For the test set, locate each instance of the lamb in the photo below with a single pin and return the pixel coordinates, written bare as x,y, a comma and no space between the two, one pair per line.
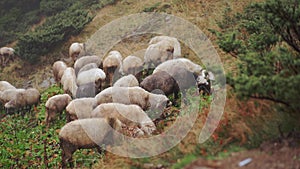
68,81
56,104
179,62
130,115
112,65
134,95
80,108
95,75
6,54
126,81
161,83
133,65
75,49
86,134
26,98
175,43
88,67
158,53
81,62
87,90
58,70
4,85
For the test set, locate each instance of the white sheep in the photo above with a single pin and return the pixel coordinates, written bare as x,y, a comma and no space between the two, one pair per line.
179,62
4,85
87,90
68,80
86,134
95,75
174,42
88,67
80,108
112,64
158,53
9,94
56,104
126,81
75,50
130,115
154,103
25,98
58,69
6,54
133,65
81,62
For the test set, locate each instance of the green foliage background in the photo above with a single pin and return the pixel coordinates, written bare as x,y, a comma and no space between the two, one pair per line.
63,19
265,40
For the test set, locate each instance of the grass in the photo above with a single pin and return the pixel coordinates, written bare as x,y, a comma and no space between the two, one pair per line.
26,142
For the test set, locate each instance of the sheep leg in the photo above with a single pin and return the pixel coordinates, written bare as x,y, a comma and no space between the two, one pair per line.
67,151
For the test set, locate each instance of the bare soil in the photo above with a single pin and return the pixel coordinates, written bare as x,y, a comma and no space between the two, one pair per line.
278,154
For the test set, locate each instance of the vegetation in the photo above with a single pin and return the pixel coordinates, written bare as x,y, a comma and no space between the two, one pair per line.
26,142
265,40
63,19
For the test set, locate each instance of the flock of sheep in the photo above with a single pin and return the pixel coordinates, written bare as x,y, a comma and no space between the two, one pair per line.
107,94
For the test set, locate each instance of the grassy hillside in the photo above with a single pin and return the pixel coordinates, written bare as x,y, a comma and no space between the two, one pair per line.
25,141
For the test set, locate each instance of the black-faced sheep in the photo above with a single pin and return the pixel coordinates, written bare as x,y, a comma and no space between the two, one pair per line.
126,81
133,65
134,95
95,75
179,62
58,69
75,50
81,62
80,108
68,81
129,115
86,134
4,85
56,104
26,98
6,54
173,41
204,82
112,65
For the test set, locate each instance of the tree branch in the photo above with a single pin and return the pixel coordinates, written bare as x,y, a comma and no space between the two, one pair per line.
270,99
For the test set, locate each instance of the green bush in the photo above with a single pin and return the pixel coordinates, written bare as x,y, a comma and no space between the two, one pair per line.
56,30
265,40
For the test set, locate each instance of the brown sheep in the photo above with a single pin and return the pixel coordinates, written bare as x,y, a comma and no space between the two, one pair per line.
56,104
86,134
161,83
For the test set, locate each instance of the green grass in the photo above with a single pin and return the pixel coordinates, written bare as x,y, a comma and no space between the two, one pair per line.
26,143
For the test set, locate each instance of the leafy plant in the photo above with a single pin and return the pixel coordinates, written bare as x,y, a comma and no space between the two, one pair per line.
264,39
